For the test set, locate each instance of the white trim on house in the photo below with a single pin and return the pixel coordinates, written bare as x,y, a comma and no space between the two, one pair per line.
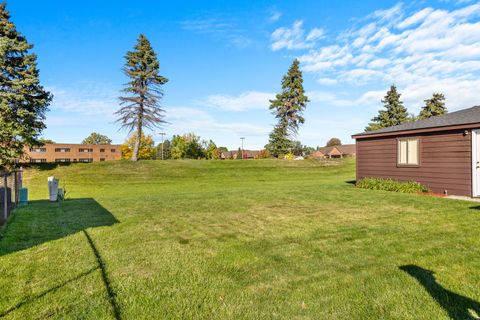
475,137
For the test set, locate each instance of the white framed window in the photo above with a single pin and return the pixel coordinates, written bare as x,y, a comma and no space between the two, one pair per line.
408,152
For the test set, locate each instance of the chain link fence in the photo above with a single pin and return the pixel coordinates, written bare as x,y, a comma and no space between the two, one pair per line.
10,185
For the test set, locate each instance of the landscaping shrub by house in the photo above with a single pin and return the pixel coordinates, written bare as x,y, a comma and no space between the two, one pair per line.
392,185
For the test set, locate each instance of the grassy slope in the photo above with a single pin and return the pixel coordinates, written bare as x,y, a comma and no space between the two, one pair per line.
235,239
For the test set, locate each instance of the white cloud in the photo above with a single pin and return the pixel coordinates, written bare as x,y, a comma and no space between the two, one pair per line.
389,15
293,38
329,98
219,29
327,81
425,51
89,99
274,16
189,119
315,34
415,18
245,101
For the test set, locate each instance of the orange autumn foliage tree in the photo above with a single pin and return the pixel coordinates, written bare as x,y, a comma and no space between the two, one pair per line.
147,147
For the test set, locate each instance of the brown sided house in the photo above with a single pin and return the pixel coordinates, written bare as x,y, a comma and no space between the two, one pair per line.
441,152
341,151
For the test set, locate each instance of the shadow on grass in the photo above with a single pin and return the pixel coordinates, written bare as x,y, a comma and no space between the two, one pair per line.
112,296
42,221
457,306
44,293
46,166
354,182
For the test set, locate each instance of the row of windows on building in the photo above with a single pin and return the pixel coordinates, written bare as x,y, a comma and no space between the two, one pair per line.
82,150
64,160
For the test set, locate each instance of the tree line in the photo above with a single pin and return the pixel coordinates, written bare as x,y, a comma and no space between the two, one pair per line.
396,113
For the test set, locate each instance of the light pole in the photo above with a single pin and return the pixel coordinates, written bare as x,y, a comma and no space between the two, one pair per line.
242,138
162,134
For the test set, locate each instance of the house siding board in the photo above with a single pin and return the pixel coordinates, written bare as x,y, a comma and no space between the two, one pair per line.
445,161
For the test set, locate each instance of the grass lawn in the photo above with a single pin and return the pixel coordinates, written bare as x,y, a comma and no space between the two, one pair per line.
236,240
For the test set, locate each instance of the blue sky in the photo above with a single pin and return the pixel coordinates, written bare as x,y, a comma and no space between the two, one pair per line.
225,59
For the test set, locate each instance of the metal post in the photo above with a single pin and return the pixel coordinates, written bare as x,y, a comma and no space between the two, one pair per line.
5,202
162,134
15,186
242,138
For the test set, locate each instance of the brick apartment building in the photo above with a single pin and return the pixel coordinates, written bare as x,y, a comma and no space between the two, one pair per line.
67,152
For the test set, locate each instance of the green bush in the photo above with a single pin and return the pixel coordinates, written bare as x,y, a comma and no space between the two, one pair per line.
391,185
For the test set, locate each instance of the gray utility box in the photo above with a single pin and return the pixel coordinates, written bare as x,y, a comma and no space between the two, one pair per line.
53,188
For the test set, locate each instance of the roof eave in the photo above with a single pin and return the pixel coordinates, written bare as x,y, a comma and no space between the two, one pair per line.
413,131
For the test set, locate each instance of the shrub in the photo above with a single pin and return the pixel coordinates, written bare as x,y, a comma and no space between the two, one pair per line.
391,185
263,154
289,156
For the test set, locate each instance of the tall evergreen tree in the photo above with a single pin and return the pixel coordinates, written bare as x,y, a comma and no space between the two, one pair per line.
23,101
140,107
288,107
434,106
395,112
278,141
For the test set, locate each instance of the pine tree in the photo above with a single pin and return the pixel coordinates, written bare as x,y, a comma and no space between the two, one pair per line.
278,142
434,106
141,104
394,114
288,107
23,101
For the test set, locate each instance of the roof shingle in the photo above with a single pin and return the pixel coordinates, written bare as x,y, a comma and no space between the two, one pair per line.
465,116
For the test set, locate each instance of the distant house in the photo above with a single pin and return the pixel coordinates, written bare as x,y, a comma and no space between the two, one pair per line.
234,154
342,151
441,152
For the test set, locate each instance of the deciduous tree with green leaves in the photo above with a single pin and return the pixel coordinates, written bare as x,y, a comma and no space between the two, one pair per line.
394,114
140,106
187,146
435,106
334,142
97,138
211,150
288,107
23,101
